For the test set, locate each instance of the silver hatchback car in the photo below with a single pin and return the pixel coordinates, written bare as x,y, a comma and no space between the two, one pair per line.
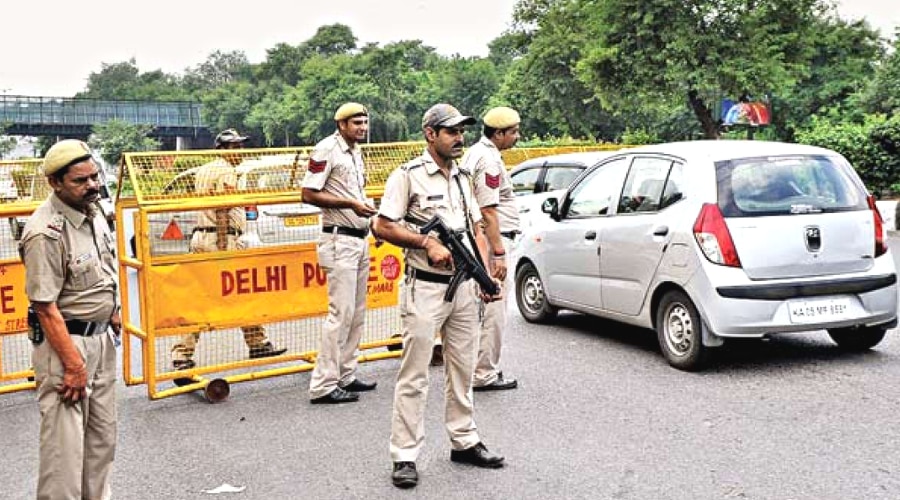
707,240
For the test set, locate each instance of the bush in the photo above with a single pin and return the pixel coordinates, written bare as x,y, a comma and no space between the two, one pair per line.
872,147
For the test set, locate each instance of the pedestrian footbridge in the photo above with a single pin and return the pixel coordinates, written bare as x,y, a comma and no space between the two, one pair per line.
75,117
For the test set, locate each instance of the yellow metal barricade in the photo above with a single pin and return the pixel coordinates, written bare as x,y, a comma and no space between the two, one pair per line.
271,282
22,189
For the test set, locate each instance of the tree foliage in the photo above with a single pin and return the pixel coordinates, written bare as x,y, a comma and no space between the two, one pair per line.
611,70
115,137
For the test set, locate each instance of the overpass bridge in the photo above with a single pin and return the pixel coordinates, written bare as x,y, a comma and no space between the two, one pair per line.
75,117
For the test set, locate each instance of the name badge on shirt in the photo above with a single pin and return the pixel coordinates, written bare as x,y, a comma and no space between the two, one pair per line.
82,258
435,197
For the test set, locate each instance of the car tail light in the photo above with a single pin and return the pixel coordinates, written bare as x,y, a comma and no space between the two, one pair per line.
252,212
880,243
713,237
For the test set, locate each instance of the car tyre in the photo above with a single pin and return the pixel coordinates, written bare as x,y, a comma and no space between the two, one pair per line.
679,330
530,297
857,339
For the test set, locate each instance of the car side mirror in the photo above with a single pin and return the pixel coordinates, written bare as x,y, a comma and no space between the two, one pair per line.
551,207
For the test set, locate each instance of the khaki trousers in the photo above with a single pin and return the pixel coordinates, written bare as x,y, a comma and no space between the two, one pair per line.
492,326
345,260
254,336
77,442
423,312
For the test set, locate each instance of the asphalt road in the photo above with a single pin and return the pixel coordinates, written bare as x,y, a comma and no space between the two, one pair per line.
598,415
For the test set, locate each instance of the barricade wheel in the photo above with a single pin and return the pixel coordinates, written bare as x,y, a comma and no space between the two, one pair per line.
217,390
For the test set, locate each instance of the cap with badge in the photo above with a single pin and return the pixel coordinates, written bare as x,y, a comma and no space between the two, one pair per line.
349,110
229,136
445,115
65,153
501,117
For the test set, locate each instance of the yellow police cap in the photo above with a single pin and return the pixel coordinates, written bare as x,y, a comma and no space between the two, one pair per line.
349,110
64,153
501,117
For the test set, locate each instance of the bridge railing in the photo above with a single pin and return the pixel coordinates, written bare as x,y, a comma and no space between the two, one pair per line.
71,111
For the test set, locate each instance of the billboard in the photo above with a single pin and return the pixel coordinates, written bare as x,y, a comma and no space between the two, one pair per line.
745,111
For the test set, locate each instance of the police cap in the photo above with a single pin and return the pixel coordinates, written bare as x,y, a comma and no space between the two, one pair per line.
445,115
501,117
349,110
65,153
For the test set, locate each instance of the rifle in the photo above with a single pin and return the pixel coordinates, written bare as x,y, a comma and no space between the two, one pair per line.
467,265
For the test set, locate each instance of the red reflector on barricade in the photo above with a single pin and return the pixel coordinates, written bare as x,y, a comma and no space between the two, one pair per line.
172,232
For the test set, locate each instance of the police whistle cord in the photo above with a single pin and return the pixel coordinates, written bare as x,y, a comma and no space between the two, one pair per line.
467,265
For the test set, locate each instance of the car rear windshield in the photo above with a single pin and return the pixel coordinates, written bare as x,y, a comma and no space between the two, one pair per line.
786,185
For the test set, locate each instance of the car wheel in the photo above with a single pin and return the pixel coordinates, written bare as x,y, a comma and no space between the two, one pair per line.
530,296
857,339
679,330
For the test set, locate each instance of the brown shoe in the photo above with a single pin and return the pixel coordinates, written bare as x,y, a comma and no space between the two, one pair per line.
266,350
437,355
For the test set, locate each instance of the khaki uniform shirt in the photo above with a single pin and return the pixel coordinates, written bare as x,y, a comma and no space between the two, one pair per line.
492,184
336,168
421,190
70,260
219,176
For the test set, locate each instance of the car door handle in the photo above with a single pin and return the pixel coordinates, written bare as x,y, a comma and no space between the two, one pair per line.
661,231
590,235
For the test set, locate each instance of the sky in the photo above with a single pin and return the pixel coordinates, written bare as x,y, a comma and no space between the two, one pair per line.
52,54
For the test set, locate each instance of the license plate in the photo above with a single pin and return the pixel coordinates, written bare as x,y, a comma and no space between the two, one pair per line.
301,220
818,311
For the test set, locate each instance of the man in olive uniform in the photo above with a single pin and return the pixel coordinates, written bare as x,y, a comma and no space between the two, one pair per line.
494,193
335,182
220,229
71,281
430,185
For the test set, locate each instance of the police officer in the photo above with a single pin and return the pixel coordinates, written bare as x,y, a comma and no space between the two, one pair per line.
71,281
220,229
335,182
494,193
430,185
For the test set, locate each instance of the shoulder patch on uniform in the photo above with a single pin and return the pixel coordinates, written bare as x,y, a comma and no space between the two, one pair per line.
317,167
492,181
54,227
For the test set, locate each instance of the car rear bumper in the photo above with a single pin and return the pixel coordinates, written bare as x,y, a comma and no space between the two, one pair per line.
755,310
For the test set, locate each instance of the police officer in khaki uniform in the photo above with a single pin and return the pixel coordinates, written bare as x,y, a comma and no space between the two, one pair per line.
217,230
335,182
430,185
494,193
71,281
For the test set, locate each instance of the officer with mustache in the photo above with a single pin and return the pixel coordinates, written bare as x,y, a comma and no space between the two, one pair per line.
71,281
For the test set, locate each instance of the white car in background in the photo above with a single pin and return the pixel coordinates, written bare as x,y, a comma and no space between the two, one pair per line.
273,224
536,179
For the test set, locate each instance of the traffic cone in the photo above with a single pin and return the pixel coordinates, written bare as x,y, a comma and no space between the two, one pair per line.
172,232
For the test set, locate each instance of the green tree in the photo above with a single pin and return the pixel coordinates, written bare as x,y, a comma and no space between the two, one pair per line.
329,40
697,51
220,68
115,137
542,83
883,96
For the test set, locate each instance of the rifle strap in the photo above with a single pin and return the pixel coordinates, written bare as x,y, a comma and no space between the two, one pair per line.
470,225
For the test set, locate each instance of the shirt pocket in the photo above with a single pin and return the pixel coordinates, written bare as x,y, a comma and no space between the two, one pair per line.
85,274
431,206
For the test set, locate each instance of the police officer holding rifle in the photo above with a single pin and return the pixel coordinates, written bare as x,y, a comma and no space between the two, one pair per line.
429,186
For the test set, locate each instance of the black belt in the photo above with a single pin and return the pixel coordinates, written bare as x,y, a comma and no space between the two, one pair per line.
348,231
429,276
510,234
85,328
232,231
